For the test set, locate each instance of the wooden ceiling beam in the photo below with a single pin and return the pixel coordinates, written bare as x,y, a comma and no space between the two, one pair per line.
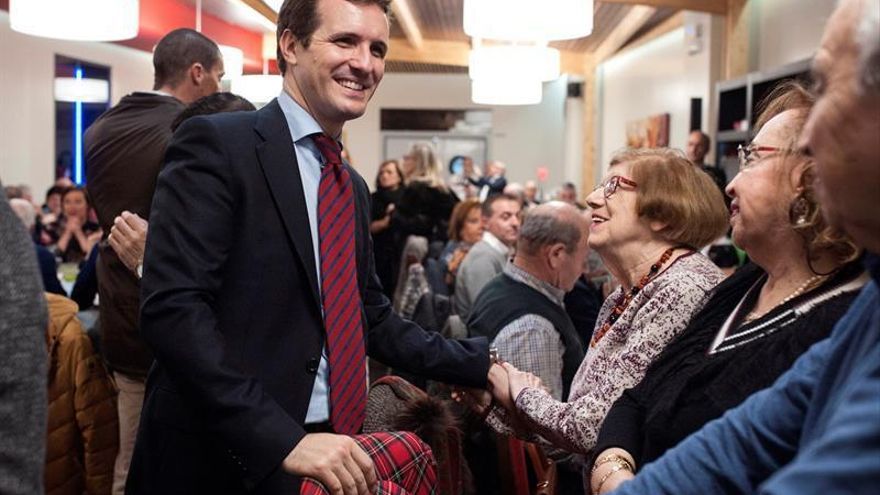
261,8
637,16
404,17
671,24
432,52
710,6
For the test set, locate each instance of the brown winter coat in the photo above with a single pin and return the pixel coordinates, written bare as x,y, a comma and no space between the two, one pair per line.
83,431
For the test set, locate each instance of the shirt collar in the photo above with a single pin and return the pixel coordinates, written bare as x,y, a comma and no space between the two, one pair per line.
552,292
300,122
496,243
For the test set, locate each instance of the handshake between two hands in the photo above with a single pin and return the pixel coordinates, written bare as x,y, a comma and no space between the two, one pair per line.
505,384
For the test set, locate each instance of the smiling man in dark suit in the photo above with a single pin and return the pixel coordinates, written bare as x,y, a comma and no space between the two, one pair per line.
260,299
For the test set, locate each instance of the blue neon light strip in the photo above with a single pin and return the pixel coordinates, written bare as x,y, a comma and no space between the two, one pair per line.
77,136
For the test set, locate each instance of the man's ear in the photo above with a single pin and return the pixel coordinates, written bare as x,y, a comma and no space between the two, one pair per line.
196,73
554,254
287,46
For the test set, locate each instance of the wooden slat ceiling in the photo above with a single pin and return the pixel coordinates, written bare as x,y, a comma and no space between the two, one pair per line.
437,19
661,15
417,67
606,16
442,20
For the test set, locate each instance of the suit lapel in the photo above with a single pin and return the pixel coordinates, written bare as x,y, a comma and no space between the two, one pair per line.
278,161
361,219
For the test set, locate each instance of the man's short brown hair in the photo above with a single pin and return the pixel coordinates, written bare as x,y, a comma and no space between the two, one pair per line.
486,209
301,18
672,191
177,51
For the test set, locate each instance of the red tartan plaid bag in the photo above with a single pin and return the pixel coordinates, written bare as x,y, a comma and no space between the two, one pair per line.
394,404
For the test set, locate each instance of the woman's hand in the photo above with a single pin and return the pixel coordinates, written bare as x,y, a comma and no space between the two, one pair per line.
615,480
609,470
73,225
457,256
518,380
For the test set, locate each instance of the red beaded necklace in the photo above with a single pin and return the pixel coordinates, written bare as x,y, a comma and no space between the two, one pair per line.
620,307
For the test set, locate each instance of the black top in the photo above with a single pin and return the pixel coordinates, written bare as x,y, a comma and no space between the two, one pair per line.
504,299
423,210
686,387
385,242
582,304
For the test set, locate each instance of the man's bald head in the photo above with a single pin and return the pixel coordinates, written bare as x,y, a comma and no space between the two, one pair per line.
551,223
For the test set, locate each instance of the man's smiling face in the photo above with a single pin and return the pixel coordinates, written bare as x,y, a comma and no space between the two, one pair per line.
336,75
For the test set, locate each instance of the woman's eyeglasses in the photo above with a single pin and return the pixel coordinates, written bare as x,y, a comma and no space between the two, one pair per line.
748,155
609,187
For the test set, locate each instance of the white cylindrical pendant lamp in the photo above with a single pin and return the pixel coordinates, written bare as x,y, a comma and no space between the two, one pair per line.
524,20
506,91
80,20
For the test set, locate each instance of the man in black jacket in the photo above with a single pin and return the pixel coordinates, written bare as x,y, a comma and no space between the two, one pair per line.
124,150
260,298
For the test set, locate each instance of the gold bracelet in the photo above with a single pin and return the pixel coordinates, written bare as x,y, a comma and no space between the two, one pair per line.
618,467
609,458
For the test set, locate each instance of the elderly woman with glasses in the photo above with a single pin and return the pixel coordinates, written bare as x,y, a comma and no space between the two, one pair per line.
650,216
802,279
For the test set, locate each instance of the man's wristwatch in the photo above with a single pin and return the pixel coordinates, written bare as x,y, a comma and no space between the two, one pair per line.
493,356
139,270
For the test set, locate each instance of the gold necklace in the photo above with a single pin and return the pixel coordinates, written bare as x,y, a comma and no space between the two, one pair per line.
809,284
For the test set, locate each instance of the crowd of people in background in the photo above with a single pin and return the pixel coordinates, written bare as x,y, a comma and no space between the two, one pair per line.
674,330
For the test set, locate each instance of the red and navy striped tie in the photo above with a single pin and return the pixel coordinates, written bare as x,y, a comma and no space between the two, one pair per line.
339,292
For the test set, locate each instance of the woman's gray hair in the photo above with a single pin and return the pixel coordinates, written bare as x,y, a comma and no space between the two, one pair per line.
25,211
867,37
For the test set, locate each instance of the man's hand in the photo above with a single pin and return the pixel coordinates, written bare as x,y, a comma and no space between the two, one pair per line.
499,386
128,238
337,461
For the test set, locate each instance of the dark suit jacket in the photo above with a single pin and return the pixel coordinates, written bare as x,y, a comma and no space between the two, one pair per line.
230,308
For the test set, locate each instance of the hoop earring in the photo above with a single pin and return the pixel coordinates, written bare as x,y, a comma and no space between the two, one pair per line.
799,211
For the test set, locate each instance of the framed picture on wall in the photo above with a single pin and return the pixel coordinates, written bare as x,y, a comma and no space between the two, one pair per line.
650,132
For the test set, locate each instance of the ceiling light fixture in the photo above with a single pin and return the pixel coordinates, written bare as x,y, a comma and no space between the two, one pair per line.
525,20
79,20
514,61
506,91
74,89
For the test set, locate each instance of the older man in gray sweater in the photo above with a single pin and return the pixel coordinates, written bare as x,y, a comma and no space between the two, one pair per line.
23,320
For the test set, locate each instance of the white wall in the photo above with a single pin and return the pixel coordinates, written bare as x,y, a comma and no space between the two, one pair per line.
786,31
27,106
658,77
524,137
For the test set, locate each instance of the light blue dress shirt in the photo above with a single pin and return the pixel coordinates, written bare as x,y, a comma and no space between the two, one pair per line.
310,161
